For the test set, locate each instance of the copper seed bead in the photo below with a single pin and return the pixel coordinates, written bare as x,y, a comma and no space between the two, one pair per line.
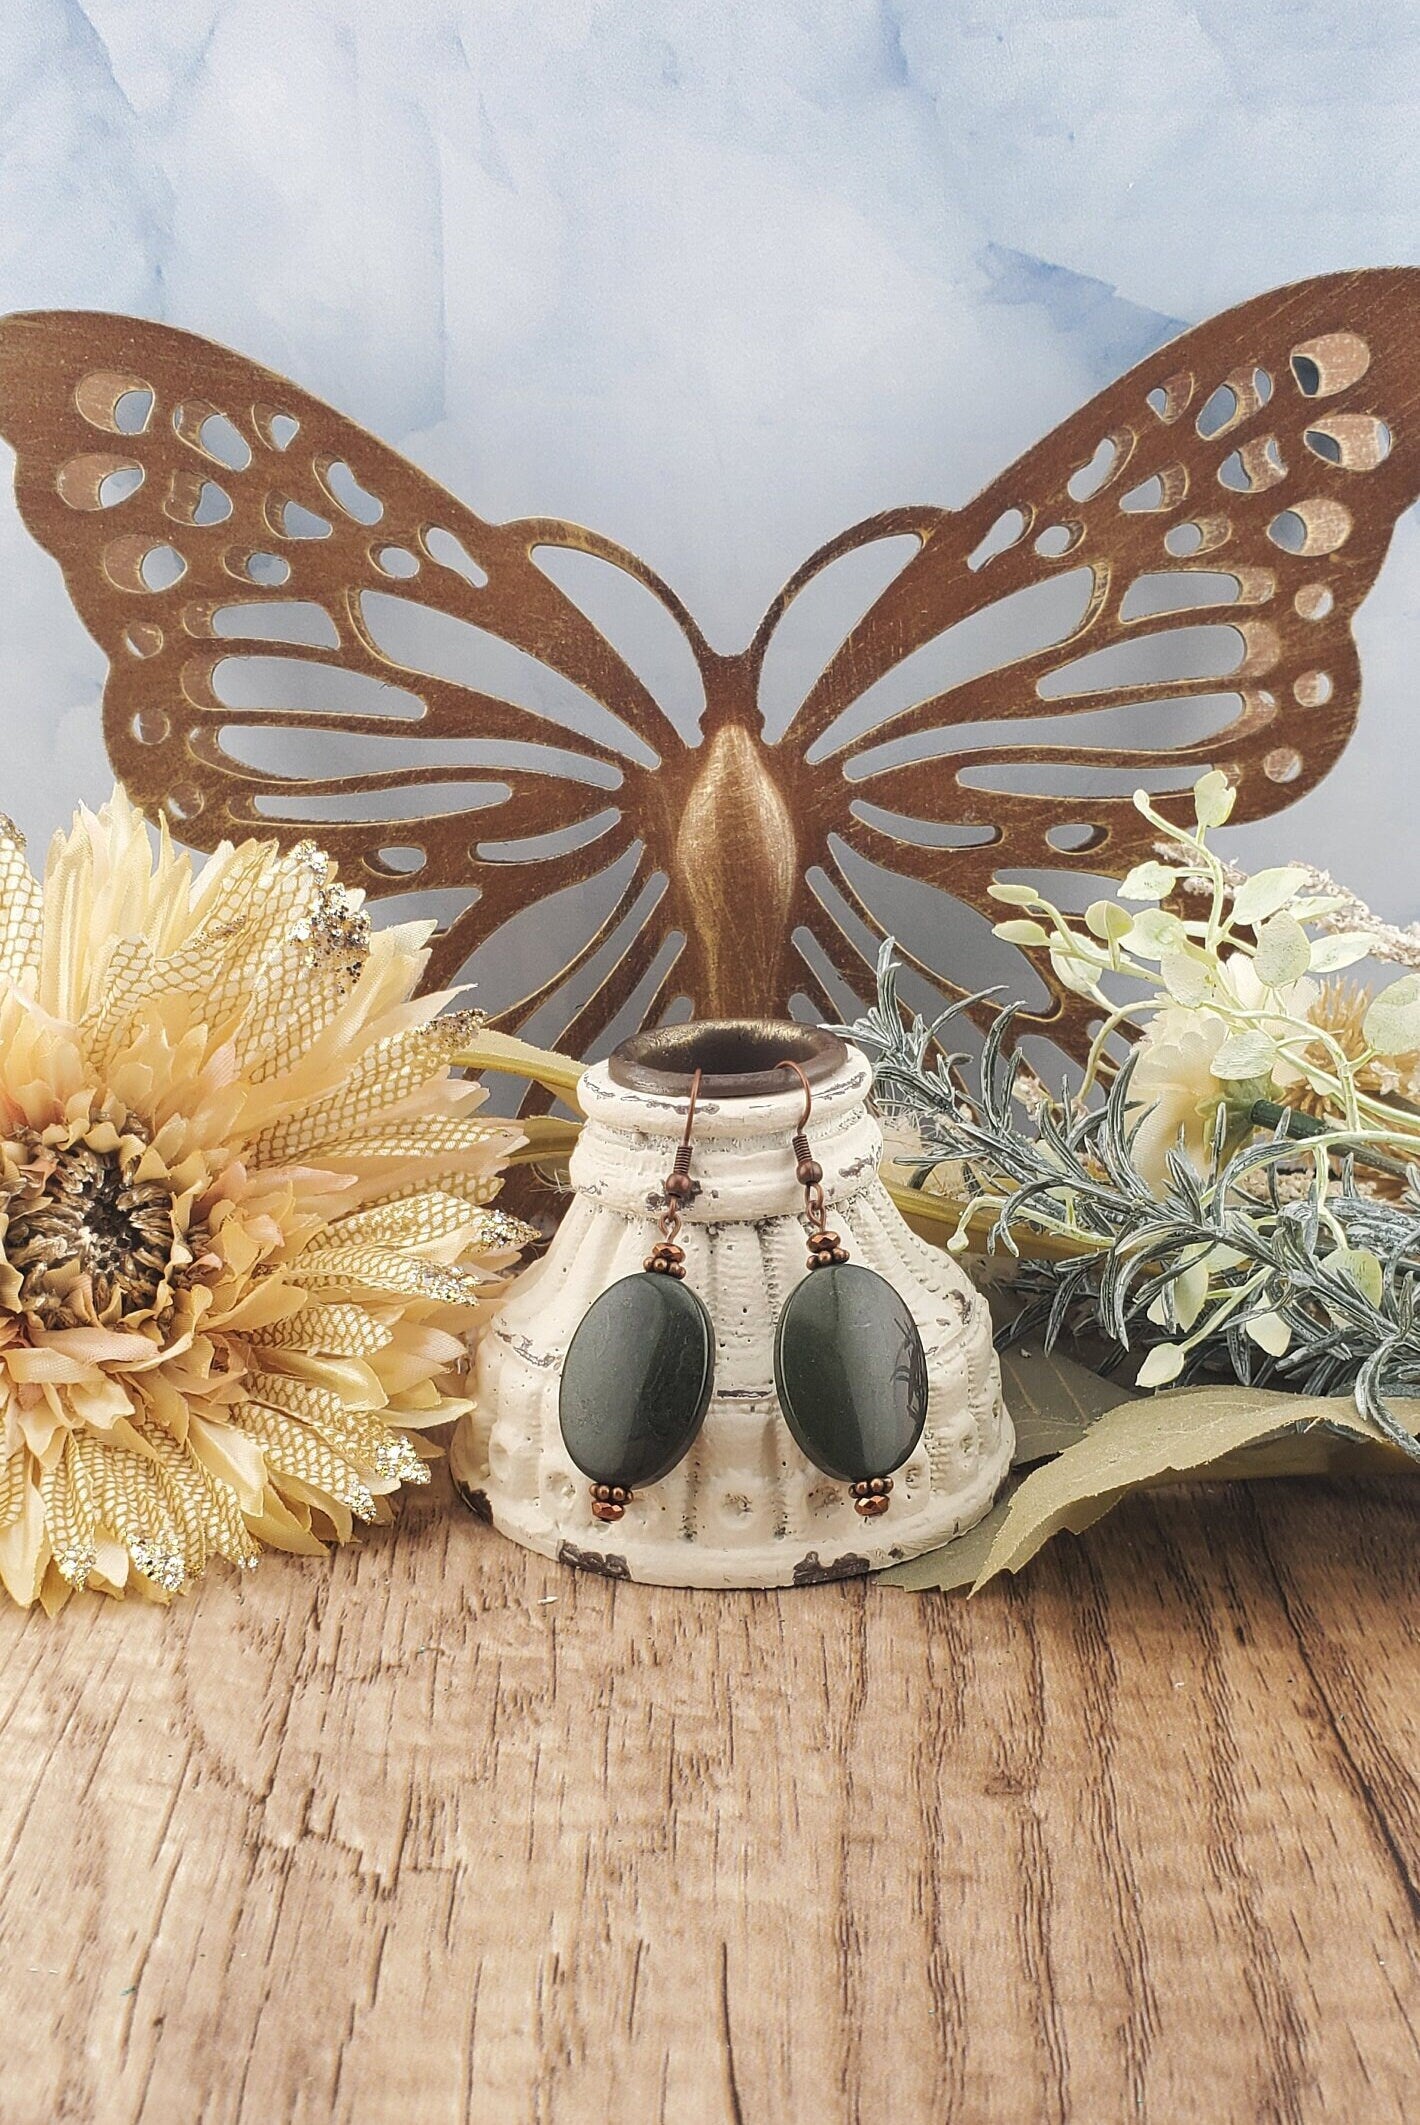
808,1173
871,1508
602,1511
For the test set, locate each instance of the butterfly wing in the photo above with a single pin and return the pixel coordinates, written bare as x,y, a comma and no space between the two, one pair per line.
267,581
1165,584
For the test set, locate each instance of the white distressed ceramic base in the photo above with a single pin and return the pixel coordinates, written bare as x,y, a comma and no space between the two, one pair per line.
744,1508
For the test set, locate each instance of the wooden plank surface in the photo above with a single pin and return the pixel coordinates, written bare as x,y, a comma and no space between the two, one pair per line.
445,1832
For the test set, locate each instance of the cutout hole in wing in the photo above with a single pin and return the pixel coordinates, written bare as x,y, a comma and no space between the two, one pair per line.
450,552
641,1002
399,860
289,620
143,639
1040,616
1177,590
292,520
919,916
539,944
223,440
1072,834
1149,660
416,800
1312,527
925,833
1007,531
1218,412
214,505
298,750
1148,722
279,430
396,561
644,633
143,564
1061,779
1358,442
1057,539
546,848
1328,364
1088,480
270,570
816,621
1314,601
422,639
98,480
151,727
113,400
345,490
305,686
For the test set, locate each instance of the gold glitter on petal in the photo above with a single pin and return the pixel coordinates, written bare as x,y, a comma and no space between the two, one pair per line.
292,1450
234,1133
14,1475
70,1518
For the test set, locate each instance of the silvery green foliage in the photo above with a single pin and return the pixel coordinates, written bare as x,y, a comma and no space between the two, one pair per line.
1316,1288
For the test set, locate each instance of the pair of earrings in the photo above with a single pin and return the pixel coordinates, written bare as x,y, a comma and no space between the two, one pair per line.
849,1366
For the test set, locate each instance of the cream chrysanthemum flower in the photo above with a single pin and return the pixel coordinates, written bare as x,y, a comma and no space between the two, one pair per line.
1173,1079
244,1222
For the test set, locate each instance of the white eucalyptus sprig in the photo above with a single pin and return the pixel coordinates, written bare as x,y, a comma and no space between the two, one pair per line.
1240,970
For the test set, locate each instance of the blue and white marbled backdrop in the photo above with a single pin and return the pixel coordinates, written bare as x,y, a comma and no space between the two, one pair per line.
717,278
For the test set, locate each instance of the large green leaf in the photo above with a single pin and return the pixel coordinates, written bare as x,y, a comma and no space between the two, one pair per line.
1140,1444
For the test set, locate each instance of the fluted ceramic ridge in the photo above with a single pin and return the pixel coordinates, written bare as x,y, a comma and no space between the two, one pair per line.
744,1508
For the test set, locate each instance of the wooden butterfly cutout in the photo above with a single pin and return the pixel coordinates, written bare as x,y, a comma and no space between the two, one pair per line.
1197,539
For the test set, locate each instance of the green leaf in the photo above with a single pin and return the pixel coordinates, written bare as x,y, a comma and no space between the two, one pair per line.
1108,920
1022,932
1149,881
1265,892
1015,896
1270,1333
1330,954
1053,1400
1074,974
1187,976
1392,1024
1139,1443
1362,1267
1190,1292
1284,951
1161,1364
1154,932
1249,1054
1213,799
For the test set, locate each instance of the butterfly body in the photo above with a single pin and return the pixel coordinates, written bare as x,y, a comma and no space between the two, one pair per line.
1164,584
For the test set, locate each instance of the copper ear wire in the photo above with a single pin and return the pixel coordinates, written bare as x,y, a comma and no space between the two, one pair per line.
824,1246
666,1258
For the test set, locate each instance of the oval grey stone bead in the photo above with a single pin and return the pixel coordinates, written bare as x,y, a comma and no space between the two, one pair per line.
851,1372
636,1380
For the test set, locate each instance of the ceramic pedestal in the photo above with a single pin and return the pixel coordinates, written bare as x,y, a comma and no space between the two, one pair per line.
744,1508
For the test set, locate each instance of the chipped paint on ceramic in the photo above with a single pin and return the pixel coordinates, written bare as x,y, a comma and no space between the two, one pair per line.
744,1508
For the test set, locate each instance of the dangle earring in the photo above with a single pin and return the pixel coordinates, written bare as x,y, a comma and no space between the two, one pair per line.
849,1365
638,1372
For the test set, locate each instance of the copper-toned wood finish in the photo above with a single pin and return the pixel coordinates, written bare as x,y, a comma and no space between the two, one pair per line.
1259,461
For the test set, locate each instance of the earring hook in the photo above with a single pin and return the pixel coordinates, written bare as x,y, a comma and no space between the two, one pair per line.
690,1110
808,1093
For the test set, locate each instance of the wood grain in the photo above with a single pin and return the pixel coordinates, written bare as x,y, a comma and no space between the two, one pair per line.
445,1832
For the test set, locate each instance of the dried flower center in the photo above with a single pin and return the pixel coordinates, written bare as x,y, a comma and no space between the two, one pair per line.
75,1216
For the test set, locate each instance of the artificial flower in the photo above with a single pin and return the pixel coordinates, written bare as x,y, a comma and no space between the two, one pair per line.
244,1209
